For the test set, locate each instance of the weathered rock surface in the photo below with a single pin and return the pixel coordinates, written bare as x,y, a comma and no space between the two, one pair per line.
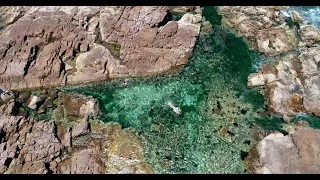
53,46
39,147
309,35
291,81
109,149
276,40
284,88
257,24
311,79
27,146
73,107
296,153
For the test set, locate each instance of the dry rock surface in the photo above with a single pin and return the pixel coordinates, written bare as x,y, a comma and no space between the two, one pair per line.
291,81
55,46
295,153
72,144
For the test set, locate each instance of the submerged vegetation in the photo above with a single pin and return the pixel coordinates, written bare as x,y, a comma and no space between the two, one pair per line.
218,108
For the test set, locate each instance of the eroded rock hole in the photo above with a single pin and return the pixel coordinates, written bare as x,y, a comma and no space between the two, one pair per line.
243,154
166,19
2,135
7,162
47,165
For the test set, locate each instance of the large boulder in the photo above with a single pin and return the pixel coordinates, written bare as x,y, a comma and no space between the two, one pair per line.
110,149
284,89
296,153
310,60
54,46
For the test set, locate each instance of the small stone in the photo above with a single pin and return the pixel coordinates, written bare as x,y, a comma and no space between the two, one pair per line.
295,16
33,102
286,119
42,109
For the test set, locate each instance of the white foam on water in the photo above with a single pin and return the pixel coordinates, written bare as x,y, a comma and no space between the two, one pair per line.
302,114
310,14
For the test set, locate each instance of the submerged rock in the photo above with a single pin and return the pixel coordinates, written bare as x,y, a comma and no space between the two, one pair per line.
110,149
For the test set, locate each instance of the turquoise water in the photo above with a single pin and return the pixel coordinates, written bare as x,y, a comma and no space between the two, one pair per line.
213,95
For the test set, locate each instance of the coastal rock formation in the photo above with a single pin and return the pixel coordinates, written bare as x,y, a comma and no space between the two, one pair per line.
283,86
311,79
309,34
296,153
290,80
54,46
257,24
109,149
29,146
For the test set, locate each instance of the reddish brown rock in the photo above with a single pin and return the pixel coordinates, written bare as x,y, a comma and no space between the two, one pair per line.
81,127
309,59
29,145
54,46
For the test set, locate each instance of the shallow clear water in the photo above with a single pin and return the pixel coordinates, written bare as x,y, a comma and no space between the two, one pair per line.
213,95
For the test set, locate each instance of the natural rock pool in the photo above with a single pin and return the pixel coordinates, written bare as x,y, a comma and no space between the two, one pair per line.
219,111
213,133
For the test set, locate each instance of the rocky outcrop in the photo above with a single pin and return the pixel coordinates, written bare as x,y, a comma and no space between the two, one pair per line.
311,79
81,147
290,80
283,86
72,107
309,34
293,84
258,25
27,146
109,149
53,46
296,153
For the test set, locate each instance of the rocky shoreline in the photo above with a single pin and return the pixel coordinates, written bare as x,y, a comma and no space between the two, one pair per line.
48,47
44,130
290,83
53,46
